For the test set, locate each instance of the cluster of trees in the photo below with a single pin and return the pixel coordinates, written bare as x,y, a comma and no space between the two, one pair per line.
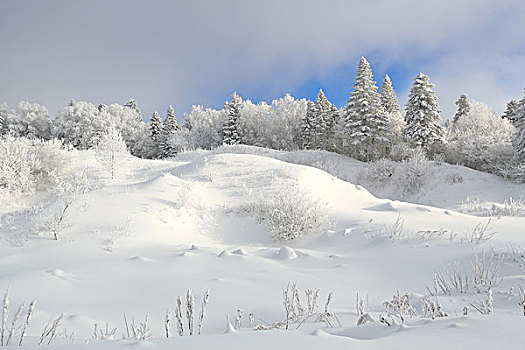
371,126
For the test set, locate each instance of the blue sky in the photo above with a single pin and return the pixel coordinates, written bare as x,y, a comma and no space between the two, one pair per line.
164,52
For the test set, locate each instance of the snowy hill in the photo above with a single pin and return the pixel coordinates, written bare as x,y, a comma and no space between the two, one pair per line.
197,221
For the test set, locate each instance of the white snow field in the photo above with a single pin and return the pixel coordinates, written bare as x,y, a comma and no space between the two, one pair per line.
137,243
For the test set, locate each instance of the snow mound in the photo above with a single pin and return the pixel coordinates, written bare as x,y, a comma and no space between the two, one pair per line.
286,253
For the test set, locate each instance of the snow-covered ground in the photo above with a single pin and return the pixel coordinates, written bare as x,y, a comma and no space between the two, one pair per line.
136,244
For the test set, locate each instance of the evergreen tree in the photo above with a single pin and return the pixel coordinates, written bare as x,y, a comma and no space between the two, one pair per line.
422,116
155,129
519,123
230,128
169,128
364,118
463,104
511,111
325,116
388,96
3,114
307,125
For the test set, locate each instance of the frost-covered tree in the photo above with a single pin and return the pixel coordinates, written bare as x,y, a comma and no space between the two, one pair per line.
29,120
155,131
388,96
169,128
365,120
129,124
253,123
202,128
111,150
511,111
308,125
230,130
463,104
79,124
422,116
132,104
481,139
284,126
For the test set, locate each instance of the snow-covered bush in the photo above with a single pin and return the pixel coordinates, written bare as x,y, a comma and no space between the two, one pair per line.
377,174
291,214
406,178
28,165
411,175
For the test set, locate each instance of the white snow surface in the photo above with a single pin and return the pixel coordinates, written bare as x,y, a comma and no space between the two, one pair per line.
140,241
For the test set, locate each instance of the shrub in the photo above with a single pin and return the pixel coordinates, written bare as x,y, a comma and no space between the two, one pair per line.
292,214
28,165
411,175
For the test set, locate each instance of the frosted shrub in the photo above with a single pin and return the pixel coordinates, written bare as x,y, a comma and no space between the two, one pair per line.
292,214
28,165
17,164
411,175
407,177
378,173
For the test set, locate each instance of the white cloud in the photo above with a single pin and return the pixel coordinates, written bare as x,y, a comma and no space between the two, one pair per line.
183,53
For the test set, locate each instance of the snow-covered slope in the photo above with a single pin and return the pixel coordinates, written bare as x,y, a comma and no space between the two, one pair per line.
137,243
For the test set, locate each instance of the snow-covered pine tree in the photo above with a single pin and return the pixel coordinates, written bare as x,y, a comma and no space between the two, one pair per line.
511,111
3,113
463,104
169,128
395,123
230,129
307,125
155,129
326,115
519,123
388,96
422,116
364,119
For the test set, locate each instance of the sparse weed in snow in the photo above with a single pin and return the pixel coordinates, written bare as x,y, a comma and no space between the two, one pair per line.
394,231
400,306
7,332
101,334
479,234
510,207
484,304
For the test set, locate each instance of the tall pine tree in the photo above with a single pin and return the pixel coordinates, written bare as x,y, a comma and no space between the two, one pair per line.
519,123
230,128
364,118
326,115
169,128
308,125
422,116
155,129
463,104
511,111
388,96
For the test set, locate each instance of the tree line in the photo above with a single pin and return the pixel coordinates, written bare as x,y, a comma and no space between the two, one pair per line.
371,126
